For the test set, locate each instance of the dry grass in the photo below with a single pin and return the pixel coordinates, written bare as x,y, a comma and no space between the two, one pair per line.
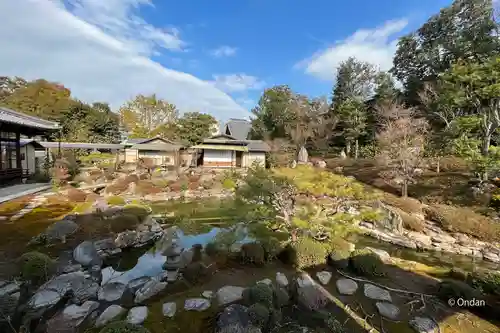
10,208
464,220
411,222
76,195
407,205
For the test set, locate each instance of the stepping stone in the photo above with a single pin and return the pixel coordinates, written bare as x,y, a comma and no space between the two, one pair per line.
196,304
229,294
424,325
387,310
137,315
346,286
377,293
324,277
111,312
208,294
281,279
169,309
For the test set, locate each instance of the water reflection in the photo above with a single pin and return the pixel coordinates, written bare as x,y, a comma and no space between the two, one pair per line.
150,263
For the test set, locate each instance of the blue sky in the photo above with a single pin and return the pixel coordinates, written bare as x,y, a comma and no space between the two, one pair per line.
210,56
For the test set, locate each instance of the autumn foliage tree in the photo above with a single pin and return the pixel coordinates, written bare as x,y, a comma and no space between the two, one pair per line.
401,144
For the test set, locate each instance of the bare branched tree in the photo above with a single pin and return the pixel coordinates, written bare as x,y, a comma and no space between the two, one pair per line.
401,144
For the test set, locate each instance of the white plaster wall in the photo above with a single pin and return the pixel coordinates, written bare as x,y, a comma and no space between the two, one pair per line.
253,156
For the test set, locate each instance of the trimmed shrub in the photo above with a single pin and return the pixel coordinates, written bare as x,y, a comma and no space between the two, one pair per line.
334,325
195,272
458,274
211,249
115,200
458,219
486,281
35,267
365,262
259,315
259,293
253,253
306,252
123,327
340,253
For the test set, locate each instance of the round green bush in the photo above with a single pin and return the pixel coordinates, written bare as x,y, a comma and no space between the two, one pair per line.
340,253
272,247
486,281
35,266
123,327
306,252
211,249
281,297
259,293
365,262
259,314
253,253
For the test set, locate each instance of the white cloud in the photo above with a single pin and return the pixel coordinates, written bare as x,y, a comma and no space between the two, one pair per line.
237,82
40,39
246,102
224,51
119,19
375,46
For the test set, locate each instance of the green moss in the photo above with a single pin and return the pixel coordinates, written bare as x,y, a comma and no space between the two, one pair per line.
365,262
259,293
123,327
35,267
229,184
115,200
305,252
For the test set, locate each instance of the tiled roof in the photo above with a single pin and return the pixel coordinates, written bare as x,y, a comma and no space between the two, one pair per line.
238,128
81,145
13,117
258,145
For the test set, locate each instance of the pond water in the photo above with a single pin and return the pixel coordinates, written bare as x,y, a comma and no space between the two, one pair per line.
430,258
151,262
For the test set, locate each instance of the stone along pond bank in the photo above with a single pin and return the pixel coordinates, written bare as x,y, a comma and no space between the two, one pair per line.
88,294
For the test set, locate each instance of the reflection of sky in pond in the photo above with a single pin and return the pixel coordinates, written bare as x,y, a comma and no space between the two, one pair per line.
150,263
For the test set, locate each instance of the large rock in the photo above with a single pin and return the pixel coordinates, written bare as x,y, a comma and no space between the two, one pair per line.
86,254
86,291
57,231
392,220
50,293
112,312
309,293
234,318
8,305
324,277
148,290
229,294
111,292
346,286
137,283
77,313
127,239
377,293
137,315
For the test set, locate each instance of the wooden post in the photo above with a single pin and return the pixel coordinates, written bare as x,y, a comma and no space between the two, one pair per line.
18,150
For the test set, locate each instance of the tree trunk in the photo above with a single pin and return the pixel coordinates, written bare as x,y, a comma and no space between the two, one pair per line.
486,144
438,164
348,148
404,190
356,148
